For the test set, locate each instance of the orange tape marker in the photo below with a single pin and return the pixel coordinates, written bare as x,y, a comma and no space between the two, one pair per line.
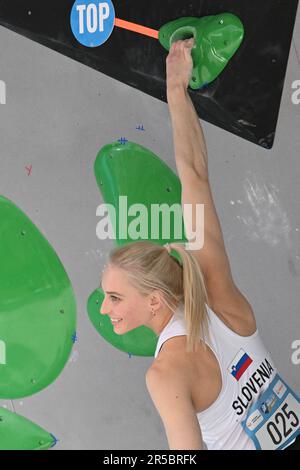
137,28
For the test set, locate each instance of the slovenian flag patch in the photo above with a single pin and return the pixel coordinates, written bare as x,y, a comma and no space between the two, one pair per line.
240,364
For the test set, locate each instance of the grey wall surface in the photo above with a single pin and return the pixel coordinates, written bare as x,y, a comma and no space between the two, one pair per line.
58,114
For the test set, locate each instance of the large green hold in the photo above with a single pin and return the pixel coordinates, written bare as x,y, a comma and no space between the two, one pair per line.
134,171
37,307
217,39
18,433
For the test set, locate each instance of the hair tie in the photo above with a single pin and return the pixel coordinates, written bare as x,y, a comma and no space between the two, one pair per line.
172,252
168,247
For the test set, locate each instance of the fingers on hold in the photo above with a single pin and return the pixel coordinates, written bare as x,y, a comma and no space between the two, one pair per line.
175,45
190,42
181,45
172,48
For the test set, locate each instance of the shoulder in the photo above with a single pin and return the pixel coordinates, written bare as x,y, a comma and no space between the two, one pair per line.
171,395
160,376
177,369
175,363
168,385
171,368
173,358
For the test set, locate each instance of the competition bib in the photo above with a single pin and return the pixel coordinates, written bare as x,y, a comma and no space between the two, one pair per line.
273,421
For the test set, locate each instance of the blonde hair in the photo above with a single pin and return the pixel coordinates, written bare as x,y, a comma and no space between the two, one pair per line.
150,266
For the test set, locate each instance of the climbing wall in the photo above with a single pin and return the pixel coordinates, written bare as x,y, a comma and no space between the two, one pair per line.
133,55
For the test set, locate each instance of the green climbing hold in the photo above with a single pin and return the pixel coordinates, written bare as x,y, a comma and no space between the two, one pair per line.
135,172
146,182
217,38
18,433
37,307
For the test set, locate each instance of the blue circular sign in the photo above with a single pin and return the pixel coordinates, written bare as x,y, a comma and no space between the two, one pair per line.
92,22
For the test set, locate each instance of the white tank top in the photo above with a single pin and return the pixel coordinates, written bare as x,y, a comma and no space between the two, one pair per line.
247,370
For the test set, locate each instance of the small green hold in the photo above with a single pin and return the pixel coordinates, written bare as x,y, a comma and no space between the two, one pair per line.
217,38
18,433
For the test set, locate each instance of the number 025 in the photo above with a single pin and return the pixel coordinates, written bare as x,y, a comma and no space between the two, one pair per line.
283,424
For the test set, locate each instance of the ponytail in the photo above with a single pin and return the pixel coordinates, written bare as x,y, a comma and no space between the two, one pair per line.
194,295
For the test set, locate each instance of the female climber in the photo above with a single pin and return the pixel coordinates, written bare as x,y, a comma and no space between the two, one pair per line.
212,381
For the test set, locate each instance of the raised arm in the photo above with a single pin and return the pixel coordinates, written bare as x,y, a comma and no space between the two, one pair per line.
192,166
